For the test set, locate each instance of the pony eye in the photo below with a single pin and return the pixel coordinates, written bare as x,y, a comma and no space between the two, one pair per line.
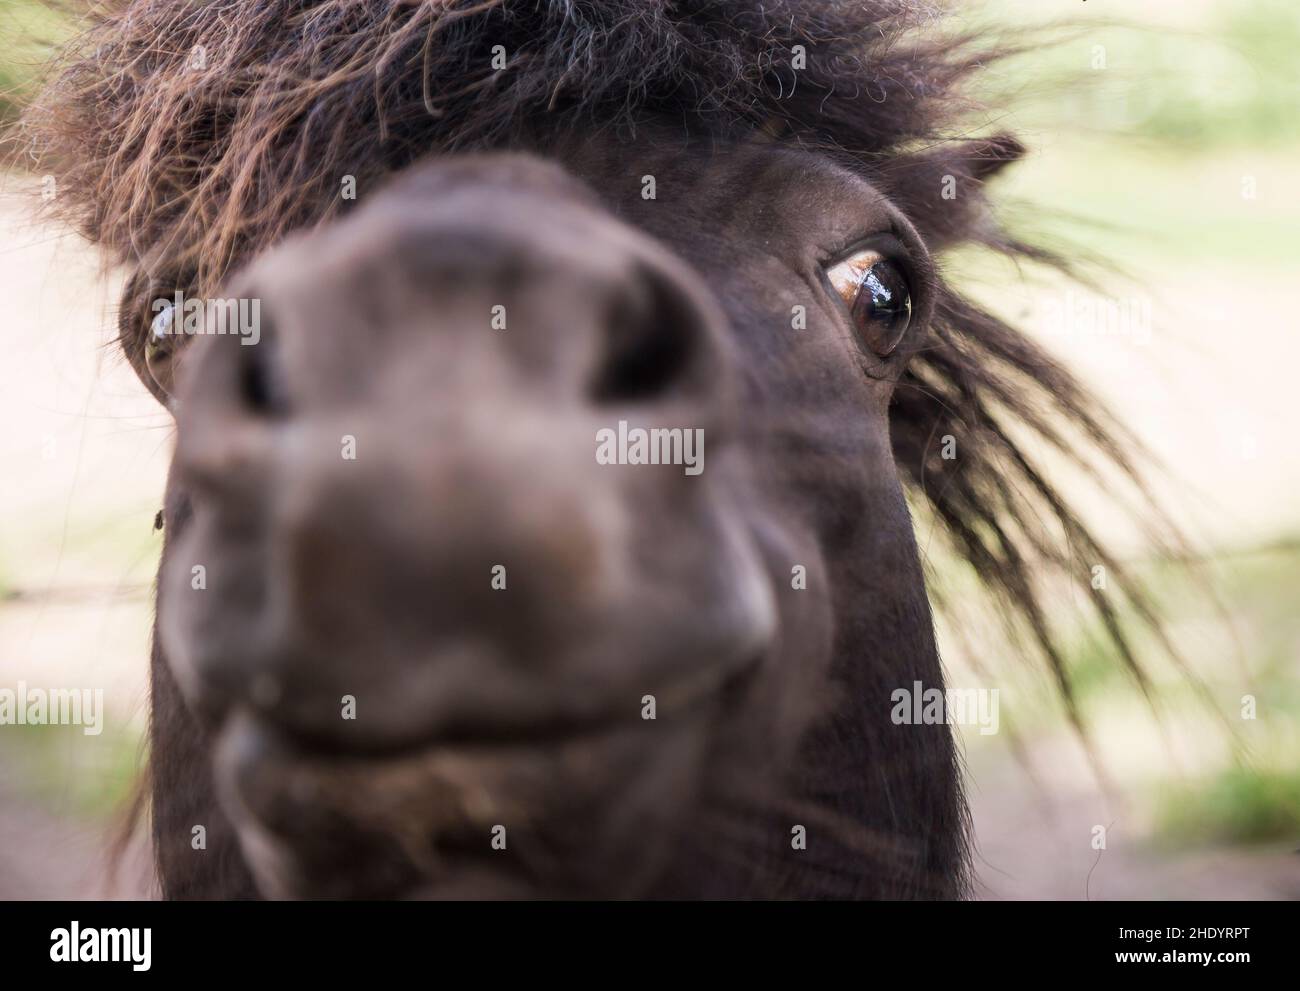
875,290
162,325
161,343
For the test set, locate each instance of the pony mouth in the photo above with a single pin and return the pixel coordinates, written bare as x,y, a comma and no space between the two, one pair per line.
684,697
276,773
314,823
423,823
250,739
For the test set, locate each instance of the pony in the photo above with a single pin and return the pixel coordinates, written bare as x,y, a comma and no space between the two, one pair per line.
416,636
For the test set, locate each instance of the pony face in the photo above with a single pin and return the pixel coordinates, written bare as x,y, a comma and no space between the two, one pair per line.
596,575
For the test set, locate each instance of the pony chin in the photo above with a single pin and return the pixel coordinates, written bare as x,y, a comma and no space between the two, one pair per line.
588,817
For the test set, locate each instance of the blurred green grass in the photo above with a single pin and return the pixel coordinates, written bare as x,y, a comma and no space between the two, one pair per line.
1248,790
1164,72
91,777
1253,43
1237,806
29,32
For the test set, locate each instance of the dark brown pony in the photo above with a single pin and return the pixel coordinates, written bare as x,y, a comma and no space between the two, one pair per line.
472,657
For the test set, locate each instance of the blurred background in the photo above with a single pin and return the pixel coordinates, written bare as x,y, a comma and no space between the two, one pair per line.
1169,144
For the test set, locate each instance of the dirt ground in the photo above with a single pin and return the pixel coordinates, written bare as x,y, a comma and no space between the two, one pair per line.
1034,840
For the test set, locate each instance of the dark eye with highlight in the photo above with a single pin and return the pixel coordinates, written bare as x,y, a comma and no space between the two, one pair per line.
162,325
162,337
874,288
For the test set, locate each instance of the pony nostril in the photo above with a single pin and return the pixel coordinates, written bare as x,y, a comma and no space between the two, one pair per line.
652,338
261,384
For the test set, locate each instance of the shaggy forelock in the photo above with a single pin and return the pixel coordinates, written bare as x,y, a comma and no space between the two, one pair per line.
194,132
